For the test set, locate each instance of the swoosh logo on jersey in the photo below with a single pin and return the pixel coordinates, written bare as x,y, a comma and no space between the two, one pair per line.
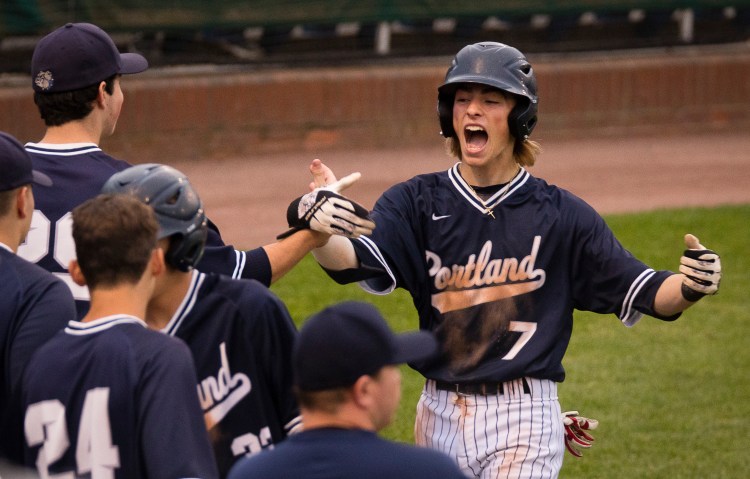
218,395
436,217
482,280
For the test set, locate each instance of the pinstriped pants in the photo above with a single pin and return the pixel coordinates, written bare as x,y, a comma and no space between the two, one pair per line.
510,435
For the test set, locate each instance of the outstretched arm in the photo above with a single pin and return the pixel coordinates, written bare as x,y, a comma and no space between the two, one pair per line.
285,254
700,275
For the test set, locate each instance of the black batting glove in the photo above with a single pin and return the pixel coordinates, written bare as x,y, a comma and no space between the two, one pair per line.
326,211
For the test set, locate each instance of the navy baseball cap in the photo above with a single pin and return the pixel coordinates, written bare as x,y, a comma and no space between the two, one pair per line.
348,340
78,55
15,165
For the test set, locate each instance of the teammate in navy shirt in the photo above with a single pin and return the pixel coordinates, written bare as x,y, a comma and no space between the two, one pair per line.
76,73
349,386
34,305
107,396
240,334
496,261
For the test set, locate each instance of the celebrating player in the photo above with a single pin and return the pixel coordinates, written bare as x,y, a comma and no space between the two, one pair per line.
34,305
239,332
108,397
76,73
349,385
496,261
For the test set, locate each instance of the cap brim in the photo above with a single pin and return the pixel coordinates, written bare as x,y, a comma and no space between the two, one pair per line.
132,63
416,346
40,178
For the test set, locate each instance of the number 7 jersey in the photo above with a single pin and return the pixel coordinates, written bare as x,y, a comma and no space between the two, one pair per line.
498,280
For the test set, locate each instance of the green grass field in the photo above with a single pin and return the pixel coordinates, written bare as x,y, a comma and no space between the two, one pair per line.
671,398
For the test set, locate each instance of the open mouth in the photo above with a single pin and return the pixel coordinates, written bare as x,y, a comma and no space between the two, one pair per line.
475,137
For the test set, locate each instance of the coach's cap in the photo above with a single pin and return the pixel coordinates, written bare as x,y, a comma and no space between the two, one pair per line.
348,340
78,55
15,165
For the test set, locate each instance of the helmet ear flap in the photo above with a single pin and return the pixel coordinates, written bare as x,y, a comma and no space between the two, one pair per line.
445,114
522,120
185,251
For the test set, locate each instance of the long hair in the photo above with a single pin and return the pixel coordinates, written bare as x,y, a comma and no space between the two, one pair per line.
524,153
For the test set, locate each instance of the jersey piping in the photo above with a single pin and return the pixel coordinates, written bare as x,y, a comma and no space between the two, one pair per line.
68,149
77,328
188,302
468,192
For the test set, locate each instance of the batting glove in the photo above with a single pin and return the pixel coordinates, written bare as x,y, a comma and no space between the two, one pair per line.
701,270
324,210
576,437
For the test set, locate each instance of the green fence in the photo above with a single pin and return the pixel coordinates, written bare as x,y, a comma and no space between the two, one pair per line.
32,17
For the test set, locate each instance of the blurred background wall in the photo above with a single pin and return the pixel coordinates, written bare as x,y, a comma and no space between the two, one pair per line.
230,77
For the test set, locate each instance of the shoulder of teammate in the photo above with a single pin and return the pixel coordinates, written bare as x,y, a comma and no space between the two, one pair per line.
428,462
258,308
42,287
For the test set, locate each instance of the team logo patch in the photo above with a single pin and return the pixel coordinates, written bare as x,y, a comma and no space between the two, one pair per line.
44,80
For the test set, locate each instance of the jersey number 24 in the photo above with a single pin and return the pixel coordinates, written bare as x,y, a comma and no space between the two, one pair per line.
45,424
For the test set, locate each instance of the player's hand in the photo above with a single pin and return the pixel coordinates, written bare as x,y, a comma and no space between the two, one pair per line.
701,270
576,437
322,175
325,210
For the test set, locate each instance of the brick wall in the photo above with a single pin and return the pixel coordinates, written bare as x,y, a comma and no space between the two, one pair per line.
222,113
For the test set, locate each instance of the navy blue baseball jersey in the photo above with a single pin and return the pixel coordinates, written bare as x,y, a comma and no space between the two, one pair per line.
111,398
78,172
345,453
34,305
241,337
498,280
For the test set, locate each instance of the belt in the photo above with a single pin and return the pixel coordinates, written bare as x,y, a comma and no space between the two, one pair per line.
484,389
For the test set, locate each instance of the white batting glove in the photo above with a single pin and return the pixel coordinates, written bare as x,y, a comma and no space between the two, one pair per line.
701,270
324,210
576,437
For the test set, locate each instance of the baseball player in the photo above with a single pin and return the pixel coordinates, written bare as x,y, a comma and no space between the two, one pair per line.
496,261
34,305
108,397
76,73
240,334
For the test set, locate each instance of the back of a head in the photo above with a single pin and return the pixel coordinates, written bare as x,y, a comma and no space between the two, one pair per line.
497,65
67,66
178,208
115,236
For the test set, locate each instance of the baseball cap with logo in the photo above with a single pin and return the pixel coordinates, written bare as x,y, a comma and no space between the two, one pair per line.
78,55
15,165
351,339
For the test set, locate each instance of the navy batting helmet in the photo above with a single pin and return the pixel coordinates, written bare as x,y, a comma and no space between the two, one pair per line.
497,65
177,206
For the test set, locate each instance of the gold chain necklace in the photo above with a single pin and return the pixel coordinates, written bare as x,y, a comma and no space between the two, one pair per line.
504,192
487,209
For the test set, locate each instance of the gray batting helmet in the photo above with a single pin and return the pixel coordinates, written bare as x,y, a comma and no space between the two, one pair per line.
497,65
177,206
